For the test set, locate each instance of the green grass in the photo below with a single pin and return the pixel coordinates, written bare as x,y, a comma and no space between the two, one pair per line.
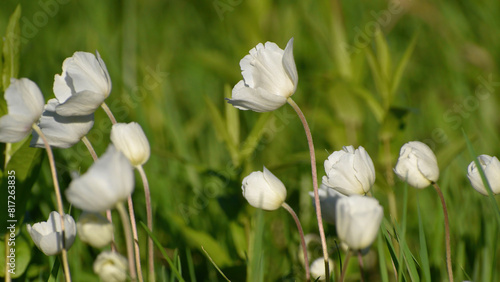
173,62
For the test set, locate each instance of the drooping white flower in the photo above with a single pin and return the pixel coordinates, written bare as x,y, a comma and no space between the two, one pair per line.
417,165
94,229
25,105
83,85
263,190
328,198
47,235
131,141
107,182
491,168
61,131
317,269
269,78
111,267
350,171
357,220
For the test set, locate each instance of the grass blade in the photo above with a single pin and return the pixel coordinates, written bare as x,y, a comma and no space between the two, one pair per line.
215,265
424,257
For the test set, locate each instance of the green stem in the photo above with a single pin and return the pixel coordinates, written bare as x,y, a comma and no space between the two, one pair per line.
315,184
302,240
149,215
447,232
360,261
128,240
344,269
60,209
136,238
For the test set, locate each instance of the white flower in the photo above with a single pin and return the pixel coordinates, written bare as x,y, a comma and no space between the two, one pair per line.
328,198
269,78
350,171
47,235
111,267
107,182
491,168
317,269
94,229
61,131
358,219
417,165
131,141
263,190
25,105
83,85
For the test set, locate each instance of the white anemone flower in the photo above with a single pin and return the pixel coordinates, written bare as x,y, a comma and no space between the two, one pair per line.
131,141
25,106
94,229
109,181
269,78
417,165
83,85
61,131
263,190
47,235
491,168
111,267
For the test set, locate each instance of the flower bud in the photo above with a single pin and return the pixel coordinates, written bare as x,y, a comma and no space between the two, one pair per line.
47,235
417,165
491,168
131,141
350,171
358,219
317,269
111,267
94,229
263,190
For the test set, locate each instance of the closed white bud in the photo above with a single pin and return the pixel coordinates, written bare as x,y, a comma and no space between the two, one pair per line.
491,168
131,141
111,267
417,165
47,235
263,190
94,229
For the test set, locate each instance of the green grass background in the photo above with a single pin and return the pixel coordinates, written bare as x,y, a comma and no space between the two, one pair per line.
173,62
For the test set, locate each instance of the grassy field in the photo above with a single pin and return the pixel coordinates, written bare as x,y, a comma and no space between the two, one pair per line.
431,75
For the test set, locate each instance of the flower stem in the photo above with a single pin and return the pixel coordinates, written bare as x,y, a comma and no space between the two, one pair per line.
128,240
315,184
136,238
447,232
60,209
302,240
108,112
346,262
360,261
149,215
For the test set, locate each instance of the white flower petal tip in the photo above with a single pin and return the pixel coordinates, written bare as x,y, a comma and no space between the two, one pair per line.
357,220
107,182
25,106
269,78
83,85
95,230
111,267
131,141
350,171
491,168
61,131
317,269
263,190
417,165
47,235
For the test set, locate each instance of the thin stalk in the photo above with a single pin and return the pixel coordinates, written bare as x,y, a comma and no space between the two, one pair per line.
7,265
360,261
60,209
128,240
447,232
108,112
136,238
315,184
302,240
149,215
346,262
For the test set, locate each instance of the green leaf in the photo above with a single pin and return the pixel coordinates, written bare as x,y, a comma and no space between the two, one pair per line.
11,48
383,54
22,255
255,135
424,257
396,78
232,119
381,258
378,78
374,105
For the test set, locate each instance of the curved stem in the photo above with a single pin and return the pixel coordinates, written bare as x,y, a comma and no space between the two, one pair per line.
346,262
360,261
128,240
447,232
149,215
302,240
315,184
108,112
60,209
136,238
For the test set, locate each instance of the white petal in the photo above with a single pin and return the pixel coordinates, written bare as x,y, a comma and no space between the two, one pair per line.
131,141
289,64
258,100
24,98
85,72
60,131
61,88
14,128
80,104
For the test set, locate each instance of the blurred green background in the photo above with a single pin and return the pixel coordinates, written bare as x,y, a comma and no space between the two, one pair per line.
431,72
